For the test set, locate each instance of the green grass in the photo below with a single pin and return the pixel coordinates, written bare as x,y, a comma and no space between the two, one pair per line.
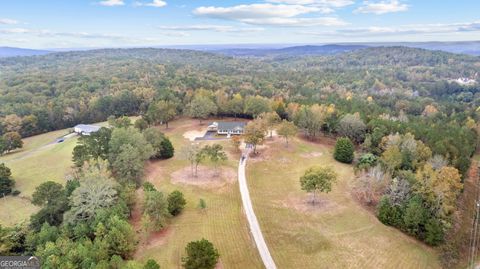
37,162
339,233
40,160
223,222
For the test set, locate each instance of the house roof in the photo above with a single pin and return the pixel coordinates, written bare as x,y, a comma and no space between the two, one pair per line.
85,128
231,125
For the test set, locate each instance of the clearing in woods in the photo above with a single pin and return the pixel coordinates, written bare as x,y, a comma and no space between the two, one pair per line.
336,233
41,159
222,222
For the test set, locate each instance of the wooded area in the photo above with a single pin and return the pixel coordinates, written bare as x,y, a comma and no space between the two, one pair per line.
416,130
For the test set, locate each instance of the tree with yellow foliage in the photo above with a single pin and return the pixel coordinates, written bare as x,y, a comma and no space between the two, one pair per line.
440,188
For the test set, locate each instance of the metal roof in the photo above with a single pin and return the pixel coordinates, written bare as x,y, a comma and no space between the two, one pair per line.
85,128
231,125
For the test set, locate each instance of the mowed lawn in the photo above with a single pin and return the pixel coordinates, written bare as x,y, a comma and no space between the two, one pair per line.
40,160
222,222
338,232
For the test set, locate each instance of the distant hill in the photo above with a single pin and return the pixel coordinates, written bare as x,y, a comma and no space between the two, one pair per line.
291,51
13,52
461,47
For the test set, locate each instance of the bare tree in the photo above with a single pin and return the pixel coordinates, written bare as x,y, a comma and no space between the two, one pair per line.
371,185
194,154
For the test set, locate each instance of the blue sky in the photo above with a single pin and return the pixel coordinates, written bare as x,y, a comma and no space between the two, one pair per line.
127,23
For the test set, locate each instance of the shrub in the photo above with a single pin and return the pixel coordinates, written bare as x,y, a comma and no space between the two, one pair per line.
176,203
147,186
367,160
202,204
151,264
141,124
167,150
6,181
344,150
415,217
433,232
16,192
200,255
389,214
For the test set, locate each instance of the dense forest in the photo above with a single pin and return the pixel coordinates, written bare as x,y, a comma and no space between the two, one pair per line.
413,125
44,93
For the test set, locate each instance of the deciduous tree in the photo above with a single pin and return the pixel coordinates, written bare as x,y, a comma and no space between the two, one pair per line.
97,190
271,120
287,129
255,133
12,140
156,207
194,154
162,111
256,105
353,127
201,108
215,153
318,179
235,105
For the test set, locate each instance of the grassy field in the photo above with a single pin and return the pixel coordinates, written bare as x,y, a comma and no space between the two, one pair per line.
338,232
40,160
223,221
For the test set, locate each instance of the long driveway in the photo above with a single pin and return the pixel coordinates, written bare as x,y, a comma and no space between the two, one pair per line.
252,219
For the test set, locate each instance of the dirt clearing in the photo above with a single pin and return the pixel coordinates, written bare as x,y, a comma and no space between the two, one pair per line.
191,135
207,177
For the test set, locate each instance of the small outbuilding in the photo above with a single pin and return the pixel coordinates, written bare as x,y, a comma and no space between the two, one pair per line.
86,129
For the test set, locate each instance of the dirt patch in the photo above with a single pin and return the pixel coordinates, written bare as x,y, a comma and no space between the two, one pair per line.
259,157
207,177
311,154
153,240
219,264
191,135
283,160
305,205
320,139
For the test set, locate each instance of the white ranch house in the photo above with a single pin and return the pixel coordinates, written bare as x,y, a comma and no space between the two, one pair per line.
227,127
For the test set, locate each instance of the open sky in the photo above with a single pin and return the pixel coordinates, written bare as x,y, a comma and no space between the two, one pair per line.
126,23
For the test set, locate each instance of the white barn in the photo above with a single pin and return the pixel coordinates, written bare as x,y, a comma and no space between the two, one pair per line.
85,129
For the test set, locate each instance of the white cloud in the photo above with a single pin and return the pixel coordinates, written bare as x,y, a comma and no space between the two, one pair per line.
15,31
98,37
382,7
272,14
111,3
402,30
154,3
255,11
8,21
326,3
206,27
173,34
297,22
